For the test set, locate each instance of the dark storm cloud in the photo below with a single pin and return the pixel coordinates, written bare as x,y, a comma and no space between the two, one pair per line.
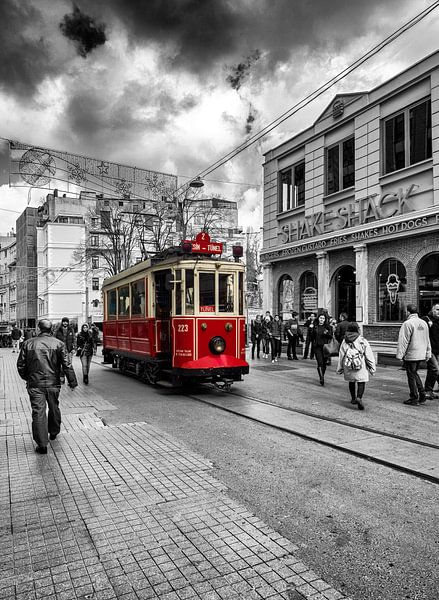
83,30
198,34
25,57
240,72
89,113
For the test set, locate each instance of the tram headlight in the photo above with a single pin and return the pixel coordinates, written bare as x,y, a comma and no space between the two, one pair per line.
217,345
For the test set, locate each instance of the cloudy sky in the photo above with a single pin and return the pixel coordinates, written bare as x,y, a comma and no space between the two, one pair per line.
173,85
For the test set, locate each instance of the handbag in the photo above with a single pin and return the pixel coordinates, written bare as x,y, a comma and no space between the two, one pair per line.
331,348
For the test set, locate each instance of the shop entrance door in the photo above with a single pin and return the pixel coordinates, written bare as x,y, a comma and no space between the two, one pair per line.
345,292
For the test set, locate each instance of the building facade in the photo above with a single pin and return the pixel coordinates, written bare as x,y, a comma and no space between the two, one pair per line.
26,226
8,283
351,208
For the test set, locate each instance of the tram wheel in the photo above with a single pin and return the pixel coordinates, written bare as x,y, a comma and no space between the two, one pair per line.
151,373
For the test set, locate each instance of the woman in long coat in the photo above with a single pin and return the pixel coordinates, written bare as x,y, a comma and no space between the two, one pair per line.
321,335
357,378
85,345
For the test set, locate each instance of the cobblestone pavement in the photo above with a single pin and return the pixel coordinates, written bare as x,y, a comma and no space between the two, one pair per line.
126,512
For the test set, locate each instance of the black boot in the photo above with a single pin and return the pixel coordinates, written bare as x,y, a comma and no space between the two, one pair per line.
320,372
85,379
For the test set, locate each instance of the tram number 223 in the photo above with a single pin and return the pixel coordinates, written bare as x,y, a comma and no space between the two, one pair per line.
183,328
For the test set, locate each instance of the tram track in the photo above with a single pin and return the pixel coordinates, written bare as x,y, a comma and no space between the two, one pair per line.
426,451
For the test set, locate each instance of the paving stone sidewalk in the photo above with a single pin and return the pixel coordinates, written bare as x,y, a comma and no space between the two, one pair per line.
126,512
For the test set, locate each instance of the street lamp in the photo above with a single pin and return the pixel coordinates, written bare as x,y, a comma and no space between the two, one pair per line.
197,184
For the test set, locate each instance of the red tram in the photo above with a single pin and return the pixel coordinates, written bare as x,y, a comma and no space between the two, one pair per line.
178,316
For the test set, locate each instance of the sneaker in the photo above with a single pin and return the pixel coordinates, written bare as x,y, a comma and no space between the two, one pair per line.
422,399
360,404
411,402
273,360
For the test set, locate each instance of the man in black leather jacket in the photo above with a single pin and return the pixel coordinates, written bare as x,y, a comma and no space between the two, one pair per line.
41,362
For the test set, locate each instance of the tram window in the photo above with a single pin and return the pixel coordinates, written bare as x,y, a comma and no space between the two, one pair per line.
123,301
189,310
111,305
225,292
163,296
207,292
241,293
138,298
178,291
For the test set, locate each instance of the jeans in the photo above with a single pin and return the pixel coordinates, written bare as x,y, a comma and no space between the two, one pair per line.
292,344
415,384
320,358
85,361
41,423
256,344
432,372
276,346
308,348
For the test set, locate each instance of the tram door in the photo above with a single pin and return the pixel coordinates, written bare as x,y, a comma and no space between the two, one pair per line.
163,306
345,292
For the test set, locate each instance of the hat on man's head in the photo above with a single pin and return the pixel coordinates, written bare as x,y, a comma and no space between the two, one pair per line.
65,320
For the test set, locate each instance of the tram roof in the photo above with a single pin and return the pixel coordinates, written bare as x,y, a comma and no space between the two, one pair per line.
166,257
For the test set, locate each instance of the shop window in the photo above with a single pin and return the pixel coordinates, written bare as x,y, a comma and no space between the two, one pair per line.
308,295
292,187
285,296
340,166
428,283
391,290
407,137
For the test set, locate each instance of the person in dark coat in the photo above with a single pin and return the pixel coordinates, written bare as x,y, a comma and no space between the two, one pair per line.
321,335
15,336
256,335
40,363
65,333
85,350
432,320
309,324
266,334
292,333
341,327
276,338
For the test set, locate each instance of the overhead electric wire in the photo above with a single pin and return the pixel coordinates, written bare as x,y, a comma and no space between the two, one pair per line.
316,93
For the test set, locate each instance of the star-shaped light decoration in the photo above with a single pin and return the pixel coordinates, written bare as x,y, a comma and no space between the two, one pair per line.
103,167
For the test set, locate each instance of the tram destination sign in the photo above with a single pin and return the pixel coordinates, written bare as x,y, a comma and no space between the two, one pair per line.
202,245
345,239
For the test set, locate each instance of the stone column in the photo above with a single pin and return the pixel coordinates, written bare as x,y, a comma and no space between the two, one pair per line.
267,288
361,284
323,294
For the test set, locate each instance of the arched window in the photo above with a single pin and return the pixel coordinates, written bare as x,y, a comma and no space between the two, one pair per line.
285,296
391,290
308,295
428,282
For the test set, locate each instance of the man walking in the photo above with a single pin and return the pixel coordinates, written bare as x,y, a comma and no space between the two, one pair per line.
15,336
414,347
66,334
432,320
40,363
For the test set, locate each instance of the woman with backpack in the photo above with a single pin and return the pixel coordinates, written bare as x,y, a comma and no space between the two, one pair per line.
355,361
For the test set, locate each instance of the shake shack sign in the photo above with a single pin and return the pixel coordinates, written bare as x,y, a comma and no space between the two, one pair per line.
364,211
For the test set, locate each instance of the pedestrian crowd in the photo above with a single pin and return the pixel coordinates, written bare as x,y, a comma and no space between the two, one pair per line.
324,337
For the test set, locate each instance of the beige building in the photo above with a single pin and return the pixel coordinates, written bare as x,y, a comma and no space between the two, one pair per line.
351,207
